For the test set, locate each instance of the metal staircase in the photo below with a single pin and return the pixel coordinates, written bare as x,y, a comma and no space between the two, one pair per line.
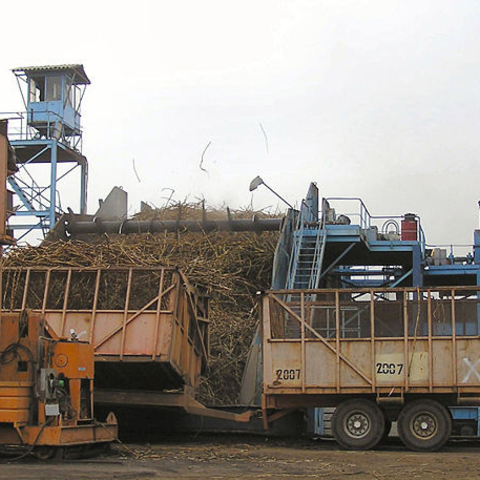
305,264
305,272
307,258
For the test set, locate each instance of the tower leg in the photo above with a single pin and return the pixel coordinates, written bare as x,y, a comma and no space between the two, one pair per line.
53,185
83,188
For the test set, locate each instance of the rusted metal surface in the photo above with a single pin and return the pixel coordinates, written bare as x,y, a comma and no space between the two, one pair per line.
7,167
147,326
319,345
182,400
67,435
3,180
46,387
17,378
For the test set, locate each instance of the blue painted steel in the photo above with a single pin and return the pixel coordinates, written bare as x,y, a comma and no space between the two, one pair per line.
283,252
460,413
478,302
417,277
50,112
476,257
53,184
83,188
319,421
392,246
17,189
456,269
309,241
34,157
36,212
52,120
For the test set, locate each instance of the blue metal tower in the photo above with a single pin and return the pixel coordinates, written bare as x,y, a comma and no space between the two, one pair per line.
47,138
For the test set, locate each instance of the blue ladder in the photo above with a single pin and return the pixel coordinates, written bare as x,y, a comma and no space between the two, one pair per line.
306,262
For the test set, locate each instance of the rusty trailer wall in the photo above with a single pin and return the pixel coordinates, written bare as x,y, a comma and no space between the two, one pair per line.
148,326
387,343
7,167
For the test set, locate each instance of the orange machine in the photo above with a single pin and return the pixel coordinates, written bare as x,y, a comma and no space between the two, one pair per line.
46,384
46,390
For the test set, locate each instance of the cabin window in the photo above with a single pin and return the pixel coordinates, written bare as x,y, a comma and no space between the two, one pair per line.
36,90
54,89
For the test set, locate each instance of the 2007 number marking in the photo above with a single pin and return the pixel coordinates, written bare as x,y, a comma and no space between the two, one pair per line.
288,374
389,368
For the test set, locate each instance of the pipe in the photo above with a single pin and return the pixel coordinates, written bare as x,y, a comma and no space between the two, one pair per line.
156,226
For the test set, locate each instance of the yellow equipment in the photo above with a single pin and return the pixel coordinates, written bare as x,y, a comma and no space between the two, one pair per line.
46,390
46,382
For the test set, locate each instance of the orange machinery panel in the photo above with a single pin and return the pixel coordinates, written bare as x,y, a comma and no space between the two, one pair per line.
74,360
18,340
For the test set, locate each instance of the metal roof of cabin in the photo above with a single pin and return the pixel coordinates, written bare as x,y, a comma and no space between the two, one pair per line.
75,70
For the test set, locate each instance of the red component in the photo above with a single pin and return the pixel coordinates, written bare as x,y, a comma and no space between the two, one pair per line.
409,227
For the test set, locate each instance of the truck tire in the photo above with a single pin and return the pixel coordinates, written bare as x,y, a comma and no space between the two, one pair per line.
358,424
424,425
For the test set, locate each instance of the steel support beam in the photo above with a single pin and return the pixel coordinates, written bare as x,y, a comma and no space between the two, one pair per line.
155,226
53,184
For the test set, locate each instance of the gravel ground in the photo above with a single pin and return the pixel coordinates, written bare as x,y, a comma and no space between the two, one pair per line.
245,457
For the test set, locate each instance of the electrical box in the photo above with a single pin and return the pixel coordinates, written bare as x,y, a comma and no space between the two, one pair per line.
46,383
52,410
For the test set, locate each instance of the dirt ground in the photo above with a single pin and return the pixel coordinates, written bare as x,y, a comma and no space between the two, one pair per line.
248,458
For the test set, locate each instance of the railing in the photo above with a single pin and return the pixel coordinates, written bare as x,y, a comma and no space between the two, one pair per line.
359,215
455,254
297,240
19,129
388,312
383,341
35,198
123,312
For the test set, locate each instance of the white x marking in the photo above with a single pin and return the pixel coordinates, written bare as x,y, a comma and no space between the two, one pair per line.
471,369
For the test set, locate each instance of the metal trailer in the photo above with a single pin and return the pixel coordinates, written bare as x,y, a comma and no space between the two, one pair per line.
148,328
407,359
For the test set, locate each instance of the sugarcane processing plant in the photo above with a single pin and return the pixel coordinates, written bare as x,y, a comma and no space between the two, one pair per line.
362,323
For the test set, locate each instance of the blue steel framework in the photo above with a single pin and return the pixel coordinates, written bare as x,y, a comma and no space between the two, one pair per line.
320,247
48,134
362,250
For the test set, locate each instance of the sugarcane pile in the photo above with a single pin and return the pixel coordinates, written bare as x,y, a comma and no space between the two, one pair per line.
231,266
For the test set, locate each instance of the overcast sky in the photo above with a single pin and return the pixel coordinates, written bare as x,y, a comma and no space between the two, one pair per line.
377,99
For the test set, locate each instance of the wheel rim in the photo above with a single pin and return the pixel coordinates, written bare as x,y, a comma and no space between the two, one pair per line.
424,426
357,425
